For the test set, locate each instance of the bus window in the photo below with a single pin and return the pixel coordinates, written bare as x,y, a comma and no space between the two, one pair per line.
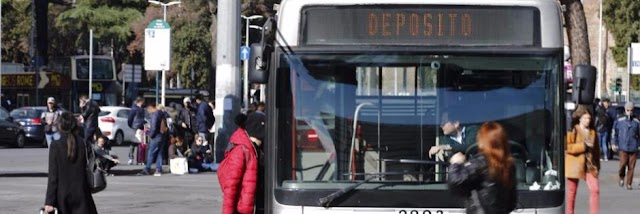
102,69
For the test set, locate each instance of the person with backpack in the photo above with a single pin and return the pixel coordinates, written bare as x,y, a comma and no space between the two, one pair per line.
157,132
238,172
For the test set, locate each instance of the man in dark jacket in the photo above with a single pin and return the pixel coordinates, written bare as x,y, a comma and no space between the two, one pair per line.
457,138
90,112
185,122
625,139
157,141
135,120
604,124
204,118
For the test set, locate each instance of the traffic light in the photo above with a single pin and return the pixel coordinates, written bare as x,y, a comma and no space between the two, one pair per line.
618,86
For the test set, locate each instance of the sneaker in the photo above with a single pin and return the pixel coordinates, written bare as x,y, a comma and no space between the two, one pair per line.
621,183
157,174
143,173
130,162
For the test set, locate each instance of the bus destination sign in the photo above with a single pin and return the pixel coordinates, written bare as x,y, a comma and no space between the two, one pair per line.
428,26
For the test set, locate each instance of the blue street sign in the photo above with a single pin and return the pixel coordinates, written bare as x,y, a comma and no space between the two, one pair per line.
244,52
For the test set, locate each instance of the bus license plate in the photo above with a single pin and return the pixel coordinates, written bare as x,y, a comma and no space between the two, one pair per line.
419,211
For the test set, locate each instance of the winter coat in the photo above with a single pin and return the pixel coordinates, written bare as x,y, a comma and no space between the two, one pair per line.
625,134
579,158
205,117
187,117
90,114
602,119
154,127
67,187
483,195
135,119
55,118
238,176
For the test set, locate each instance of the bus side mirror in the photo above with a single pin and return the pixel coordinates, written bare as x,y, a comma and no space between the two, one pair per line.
258,64
584,84
260,54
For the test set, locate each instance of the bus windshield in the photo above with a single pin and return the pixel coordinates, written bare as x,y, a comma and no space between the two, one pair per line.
355,116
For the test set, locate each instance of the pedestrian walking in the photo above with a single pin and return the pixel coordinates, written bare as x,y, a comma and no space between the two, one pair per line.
90,112
67,187
158,142
604,123
50,118
582,160
136,121
488,179
625,140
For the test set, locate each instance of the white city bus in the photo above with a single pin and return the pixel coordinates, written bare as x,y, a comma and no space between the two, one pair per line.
358,89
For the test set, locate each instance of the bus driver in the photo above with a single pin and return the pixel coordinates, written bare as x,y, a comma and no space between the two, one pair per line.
457,138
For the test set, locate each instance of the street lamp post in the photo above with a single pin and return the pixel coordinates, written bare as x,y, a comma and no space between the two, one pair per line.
164,75
245,88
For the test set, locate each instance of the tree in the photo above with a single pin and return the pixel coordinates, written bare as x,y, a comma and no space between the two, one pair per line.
110,19
576,25
190,40
623,20
16,26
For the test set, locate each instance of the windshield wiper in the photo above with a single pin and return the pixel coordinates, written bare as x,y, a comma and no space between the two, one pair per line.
325,201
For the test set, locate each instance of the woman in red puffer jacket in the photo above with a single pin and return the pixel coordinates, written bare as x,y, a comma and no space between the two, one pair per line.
238,172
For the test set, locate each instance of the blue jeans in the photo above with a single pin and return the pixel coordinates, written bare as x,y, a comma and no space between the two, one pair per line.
603,137
211,166
155,149
51,137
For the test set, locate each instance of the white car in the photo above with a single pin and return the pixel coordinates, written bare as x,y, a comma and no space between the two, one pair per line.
112,121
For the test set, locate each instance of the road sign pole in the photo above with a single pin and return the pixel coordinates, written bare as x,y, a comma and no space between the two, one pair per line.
124,81
245,88
90,63
164,83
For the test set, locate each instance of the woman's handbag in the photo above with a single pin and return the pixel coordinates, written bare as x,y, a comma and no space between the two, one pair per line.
96,177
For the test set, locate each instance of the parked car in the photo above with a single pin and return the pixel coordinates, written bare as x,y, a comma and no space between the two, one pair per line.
11,132
30,118
112,121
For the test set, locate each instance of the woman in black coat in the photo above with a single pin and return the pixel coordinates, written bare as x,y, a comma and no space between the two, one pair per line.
67,188
488,180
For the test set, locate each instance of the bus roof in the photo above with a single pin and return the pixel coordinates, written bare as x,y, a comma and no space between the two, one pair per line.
289,15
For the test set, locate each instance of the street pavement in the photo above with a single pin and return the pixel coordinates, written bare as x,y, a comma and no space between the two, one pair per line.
23,186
